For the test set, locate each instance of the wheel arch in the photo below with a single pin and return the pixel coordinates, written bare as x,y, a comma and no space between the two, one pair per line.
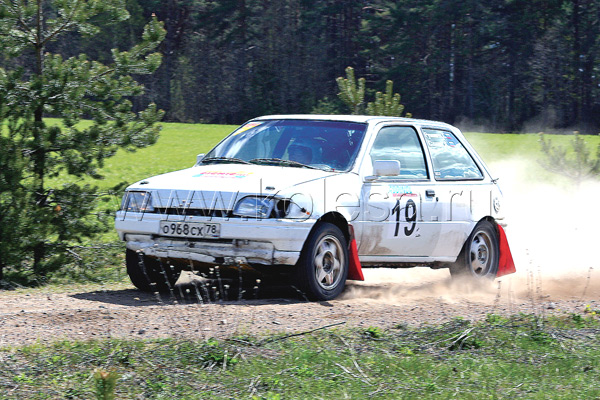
463,265
489,219
338,220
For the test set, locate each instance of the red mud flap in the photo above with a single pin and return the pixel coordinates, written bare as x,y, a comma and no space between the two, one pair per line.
354,269
506,264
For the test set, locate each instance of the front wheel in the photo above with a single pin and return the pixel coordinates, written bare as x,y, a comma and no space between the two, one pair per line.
322,269
480,254
150,274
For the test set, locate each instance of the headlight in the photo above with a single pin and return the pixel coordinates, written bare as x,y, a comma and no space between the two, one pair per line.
137,202
255,207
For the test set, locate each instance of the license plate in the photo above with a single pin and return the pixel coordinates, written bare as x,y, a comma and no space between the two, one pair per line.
190,229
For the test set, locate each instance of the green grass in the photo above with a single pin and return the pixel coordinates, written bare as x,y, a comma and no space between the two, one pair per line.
523,151
493,147
520,357
179,144
176,148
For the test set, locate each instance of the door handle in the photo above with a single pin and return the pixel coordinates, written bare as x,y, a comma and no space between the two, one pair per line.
430,193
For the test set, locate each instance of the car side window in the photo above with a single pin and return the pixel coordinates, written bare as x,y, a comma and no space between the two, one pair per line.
451,161
401,143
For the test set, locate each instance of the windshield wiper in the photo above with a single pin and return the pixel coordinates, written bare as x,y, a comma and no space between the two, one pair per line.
224,160
279,161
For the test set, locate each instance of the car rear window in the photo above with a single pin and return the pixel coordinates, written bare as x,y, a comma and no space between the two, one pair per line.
451,161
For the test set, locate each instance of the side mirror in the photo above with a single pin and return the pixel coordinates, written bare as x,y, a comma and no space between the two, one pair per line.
386,167
199,158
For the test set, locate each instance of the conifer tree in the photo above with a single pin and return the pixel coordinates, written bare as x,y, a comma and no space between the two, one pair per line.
577,165
51,216
388,104
351,92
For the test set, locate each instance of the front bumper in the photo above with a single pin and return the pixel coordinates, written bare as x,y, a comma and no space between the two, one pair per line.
212,252
266,241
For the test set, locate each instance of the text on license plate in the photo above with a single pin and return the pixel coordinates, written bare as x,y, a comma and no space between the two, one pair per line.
190,229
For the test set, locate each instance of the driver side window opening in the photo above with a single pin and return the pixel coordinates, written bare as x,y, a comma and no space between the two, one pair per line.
401,143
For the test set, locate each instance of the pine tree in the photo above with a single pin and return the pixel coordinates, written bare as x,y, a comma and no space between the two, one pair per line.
388,104
13,199
53,216
577,165
351,92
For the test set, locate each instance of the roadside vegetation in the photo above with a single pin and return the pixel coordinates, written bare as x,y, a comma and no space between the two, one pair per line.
179,144
520,357
100,259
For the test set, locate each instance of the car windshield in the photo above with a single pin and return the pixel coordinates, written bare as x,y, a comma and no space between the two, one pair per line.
327,145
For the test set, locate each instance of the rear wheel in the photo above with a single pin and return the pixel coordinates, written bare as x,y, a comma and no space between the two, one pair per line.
150,274
479,255
322,269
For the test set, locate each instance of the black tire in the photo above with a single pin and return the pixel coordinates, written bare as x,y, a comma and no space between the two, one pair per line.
150,274
480,254
322,269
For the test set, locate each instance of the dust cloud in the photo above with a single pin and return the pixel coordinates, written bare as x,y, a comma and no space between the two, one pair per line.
553,234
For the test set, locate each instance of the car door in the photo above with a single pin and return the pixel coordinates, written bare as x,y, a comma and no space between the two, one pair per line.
401,212
460,186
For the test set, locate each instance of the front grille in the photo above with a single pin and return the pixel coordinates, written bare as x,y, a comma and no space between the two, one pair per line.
279,211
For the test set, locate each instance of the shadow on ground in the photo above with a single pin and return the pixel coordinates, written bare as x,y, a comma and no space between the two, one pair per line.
200,291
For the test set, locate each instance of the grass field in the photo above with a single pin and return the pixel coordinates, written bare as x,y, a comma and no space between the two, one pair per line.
179,144
177,148
520,357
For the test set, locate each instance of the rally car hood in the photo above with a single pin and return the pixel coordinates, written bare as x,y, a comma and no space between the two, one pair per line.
240,178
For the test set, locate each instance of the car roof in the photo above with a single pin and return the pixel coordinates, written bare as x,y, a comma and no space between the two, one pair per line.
368,119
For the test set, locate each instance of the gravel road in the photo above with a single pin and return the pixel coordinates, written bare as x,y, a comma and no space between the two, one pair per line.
387,297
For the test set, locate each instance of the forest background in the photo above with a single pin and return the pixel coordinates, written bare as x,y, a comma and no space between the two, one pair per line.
503,65
490,65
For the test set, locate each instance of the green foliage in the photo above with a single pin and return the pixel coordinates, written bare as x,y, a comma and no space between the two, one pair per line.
106,382
47,218
387,104
374,332
495,319
352,95
506,359
215,354
576,165
327,106
502,64
351,92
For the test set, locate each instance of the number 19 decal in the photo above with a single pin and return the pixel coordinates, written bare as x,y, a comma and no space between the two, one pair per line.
410,213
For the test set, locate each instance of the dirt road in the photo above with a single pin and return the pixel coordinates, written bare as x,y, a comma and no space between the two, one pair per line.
387,298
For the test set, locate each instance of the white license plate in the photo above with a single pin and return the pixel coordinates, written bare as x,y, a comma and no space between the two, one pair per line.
190,229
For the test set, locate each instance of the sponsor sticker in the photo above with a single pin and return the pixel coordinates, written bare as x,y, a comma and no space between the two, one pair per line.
401,191
248,126
449,140
221,174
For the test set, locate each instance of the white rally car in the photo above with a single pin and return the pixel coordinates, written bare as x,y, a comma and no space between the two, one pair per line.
318,198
